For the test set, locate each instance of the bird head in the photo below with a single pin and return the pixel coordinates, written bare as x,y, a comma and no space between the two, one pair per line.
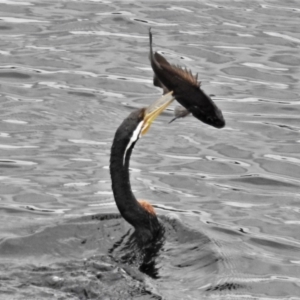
139,121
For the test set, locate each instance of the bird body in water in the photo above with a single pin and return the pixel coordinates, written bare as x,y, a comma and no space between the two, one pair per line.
140,214
186,90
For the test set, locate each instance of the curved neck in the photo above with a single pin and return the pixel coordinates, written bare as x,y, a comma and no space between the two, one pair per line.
129,207
119,171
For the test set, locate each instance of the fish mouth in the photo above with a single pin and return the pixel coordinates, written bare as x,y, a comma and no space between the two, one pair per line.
219,124
215,122
219,120
210,117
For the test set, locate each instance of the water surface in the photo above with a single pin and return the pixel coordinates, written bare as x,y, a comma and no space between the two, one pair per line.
71,71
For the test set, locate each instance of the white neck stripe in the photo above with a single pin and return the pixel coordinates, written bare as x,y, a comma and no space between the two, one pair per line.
133,138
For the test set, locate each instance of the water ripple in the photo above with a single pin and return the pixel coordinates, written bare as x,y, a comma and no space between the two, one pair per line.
7,147
106,33
15,121
178,8
10,162
283,158
58,85
4,134
235,162
87,142
20,20
229,199
234,47
275,85
76,184
261,66
280,7
119,12
283,36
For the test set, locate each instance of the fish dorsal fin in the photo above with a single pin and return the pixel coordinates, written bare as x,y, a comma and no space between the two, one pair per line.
183,73
162,63
186,75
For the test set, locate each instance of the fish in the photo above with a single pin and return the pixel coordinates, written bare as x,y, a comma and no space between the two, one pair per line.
186,90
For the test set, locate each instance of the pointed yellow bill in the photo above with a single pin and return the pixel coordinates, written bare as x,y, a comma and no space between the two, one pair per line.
155,109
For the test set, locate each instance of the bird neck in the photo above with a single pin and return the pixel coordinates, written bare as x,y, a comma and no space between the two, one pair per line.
119,171
145,223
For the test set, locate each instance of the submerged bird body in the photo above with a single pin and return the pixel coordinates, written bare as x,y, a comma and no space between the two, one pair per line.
186,90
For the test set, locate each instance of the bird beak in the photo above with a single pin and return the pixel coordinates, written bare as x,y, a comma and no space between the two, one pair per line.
155,109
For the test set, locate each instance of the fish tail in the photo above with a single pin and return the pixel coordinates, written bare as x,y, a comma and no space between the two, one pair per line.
150,43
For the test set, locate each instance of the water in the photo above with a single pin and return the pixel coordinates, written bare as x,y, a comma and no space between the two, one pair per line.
71,71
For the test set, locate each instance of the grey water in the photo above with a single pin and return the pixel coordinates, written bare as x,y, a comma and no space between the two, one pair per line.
71,71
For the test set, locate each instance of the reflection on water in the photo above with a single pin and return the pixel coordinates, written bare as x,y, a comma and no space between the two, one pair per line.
71,71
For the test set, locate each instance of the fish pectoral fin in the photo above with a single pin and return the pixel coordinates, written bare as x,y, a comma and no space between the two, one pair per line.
180,112
157,82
